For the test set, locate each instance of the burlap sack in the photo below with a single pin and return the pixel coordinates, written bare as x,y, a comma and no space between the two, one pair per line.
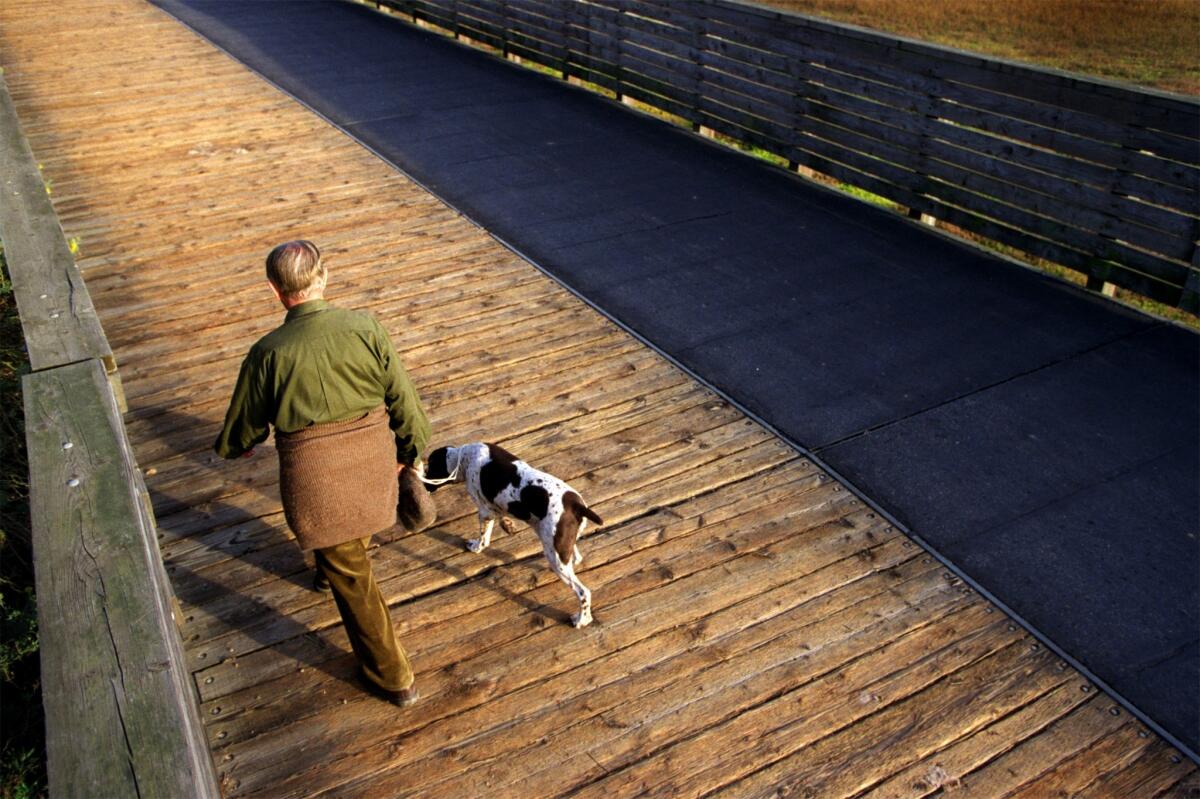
338,480
416,509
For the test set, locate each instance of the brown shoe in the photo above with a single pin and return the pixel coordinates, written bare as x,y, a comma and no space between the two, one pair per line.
402,698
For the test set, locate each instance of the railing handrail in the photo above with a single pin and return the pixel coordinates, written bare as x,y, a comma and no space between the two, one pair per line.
122,715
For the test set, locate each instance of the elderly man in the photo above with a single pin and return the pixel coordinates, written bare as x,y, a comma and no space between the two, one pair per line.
347,420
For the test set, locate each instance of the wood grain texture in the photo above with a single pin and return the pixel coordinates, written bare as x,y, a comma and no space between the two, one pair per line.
121,715
753,620
57,315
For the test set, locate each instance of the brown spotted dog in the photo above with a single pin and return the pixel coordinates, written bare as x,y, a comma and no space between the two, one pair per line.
499,484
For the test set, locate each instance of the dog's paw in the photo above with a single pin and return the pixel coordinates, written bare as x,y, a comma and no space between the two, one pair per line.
475,545
581,619
577,558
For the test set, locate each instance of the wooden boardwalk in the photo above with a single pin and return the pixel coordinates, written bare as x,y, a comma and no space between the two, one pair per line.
758,631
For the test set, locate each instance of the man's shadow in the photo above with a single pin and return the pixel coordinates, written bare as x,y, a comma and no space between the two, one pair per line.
243,533
232,532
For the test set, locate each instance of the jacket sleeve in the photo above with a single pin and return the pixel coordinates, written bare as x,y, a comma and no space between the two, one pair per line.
247,422
407,416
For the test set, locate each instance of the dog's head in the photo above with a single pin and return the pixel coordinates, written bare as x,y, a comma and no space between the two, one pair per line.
442,466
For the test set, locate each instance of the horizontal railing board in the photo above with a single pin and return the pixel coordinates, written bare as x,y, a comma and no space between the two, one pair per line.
552,28
510,24
1079,153
1089,206
1171,115
1093,97
946,202
974,192
1055,171
57,316
1114,132
121,716
1188,176
1098,210
888,74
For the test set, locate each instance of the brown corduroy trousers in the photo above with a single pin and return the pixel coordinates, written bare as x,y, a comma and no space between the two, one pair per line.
365,614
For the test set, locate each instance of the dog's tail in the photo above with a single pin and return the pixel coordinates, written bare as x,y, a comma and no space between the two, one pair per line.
573,504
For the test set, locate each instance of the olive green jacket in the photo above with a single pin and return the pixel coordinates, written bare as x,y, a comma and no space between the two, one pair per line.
323,364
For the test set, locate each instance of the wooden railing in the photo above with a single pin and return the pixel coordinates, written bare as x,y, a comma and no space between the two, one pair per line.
1098,177
122,714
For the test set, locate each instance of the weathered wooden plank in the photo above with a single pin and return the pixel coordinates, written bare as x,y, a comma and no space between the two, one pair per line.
1159,770
1116,751
601,686
712,682
745,743
1155,110
981,692
1103,146
944,768
1077,731
724,501
709,519
121,718
501,669
57,315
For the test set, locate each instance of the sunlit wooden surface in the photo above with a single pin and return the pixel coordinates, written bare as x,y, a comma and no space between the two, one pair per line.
758,631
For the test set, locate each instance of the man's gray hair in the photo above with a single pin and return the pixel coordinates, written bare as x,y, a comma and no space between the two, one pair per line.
295,268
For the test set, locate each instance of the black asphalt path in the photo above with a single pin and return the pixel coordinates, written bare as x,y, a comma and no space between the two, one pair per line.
1045,441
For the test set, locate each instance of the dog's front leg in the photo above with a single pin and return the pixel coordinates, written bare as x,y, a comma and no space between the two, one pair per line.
486,522
584,617
566,573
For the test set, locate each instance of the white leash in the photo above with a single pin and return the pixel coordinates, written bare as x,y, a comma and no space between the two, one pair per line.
437,481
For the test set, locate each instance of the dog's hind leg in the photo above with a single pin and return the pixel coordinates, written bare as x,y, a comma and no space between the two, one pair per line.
577,556
486,522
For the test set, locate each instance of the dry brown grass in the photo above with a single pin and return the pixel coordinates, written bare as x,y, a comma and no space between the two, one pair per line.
1153,43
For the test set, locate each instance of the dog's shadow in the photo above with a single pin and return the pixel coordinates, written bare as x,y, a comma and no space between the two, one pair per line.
503,558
